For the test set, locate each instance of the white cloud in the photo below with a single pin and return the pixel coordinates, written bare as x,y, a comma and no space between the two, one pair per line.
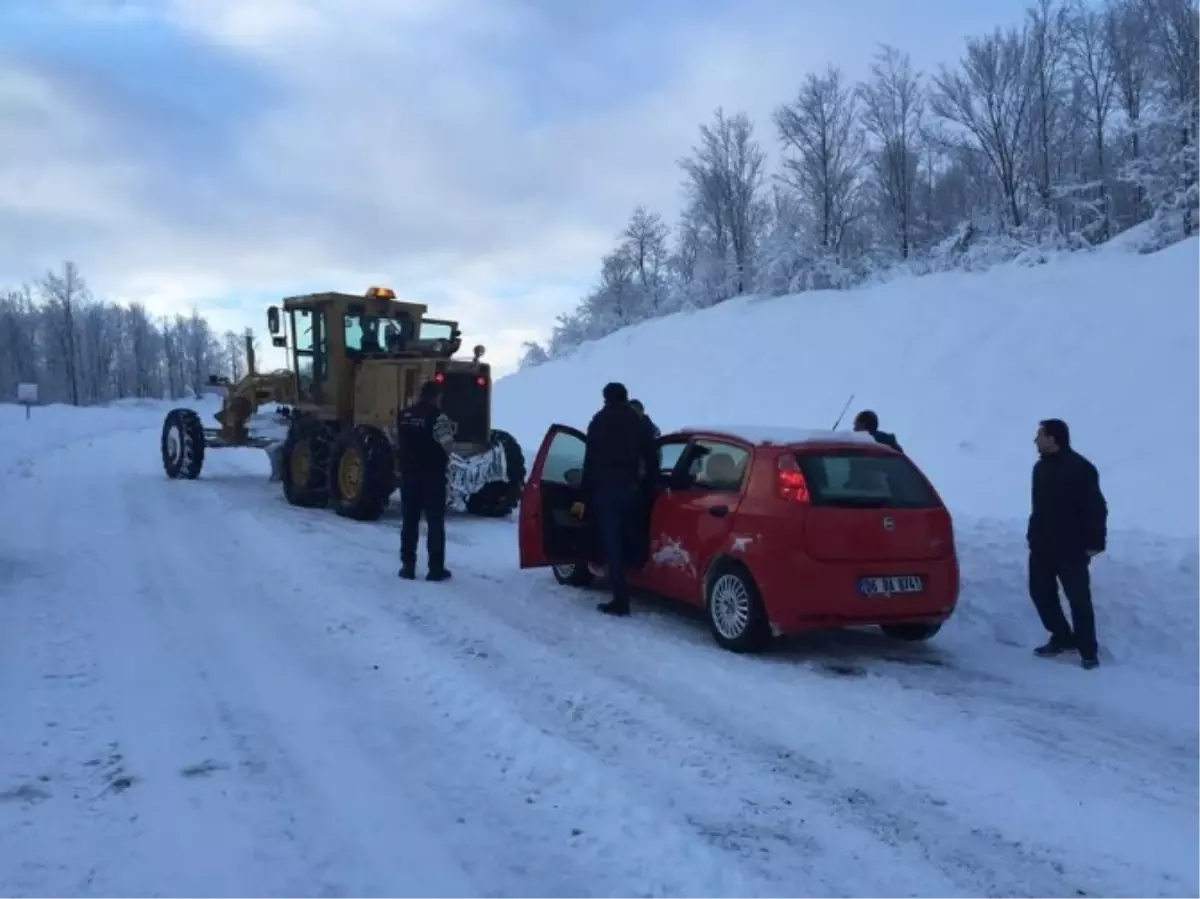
406,142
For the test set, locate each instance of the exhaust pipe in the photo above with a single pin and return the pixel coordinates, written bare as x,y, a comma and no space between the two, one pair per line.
250,369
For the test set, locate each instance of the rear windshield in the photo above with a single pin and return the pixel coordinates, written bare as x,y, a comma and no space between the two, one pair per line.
853,479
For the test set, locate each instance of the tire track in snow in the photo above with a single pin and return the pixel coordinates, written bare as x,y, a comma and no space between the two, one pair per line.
120,797
978,859
597,712
973,858
975,851
837,819
472,746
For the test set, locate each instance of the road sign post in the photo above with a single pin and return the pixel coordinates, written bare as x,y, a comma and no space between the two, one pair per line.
27,396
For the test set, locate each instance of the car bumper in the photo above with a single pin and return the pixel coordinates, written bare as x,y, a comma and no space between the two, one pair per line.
815,596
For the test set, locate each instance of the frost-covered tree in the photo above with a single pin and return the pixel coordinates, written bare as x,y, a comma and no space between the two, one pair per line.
724,184
893,108
82,350
988,96
823,141
1063,129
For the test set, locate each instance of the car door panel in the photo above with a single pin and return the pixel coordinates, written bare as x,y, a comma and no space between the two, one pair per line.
693,525
671,450
547,533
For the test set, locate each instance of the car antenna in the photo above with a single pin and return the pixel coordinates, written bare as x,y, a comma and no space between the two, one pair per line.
843,413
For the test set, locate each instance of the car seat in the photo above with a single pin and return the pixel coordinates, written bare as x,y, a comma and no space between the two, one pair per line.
720,472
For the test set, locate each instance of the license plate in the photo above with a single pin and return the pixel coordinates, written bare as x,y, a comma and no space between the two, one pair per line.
896,585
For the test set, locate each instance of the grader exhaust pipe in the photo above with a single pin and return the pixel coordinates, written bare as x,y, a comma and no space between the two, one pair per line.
250,368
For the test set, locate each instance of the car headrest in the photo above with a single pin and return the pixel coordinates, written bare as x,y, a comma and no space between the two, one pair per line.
720,470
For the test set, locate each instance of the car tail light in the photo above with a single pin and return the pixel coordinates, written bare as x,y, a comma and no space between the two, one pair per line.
790,480
481,381
439,378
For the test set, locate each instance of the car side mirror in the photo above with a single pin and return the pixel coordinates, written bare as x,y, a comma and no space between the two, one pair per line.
279,341
273,320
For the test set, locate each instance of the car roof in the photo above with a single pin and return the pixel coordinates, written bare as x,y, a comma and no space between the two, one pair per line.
760,435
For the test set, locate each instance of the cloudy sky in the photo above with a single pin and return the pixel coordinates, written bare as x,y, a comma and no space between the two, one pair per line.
476,155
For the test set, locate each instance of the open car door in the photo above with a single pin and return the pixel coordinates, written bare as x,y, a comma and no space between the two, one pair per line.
547,532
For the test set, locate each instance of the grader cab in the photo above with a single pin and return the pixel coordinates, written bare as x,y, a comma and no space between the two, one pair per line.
354,362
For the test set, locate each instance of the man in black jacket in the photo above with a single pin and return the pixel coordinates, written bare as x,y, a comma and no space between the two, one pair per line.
1068,525
868,421
425,437
619,466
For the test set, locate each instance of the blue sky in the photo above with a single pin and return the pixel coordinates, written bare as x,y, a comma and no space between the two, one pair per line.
476,155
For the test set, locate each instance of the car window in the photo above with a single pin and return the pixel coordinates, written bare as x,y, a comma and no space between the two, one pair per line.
865,480
669,453
717,466
564,459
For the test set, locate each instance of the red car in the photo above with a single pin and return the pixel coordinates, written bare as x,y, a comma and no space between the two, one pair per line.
772,532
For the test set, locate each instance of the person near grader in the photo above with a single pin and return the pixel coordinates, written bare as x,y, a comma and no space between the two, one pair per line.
426,435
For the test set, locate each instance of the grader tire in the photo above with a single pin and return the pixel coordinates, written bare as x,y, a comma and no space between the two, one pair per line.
305,463
182,444
361,473
499,498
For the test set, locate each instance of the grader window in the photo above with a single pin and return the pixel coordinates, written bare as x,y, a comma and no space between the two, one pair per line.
311,345
435,330
362,333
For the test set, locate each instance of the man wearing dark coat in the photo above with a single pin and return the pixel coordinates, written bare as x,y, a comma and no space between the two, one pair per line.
1068,526
619,466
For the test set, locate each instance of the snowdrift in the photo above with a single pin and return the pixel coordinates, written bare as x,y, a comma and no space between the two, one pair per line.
961,366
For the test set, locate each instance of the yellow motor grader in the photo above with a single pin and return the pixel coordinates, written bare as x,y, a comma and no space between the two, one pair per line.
355,361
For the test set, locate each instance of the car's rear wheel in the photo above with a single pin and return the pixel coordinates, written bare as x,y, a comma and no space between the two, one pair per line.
913,633
736,614
572,575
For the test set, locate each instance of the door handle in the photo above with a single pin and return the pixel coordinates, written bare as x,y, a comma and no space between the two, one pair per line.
718,511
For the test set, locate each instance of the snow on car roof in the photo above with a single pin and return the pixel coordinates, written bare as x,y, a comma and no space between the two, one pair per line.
761,435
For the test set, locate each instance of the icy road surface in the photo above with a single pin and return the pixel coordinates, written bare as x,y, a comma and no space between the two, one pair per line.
204,691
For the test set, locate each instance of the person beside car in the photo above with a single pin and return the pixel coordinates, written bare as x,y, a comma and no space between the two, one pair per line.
618,463
868,422
1068,526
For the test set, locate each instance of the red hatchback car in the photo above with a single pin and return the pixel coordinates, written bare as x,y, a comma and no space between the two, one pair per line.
772,532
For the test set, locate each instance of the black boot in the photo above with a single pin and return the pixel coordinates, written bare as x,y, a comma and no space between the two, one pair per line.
616,607
408,572
438,574
1053,647
1090,662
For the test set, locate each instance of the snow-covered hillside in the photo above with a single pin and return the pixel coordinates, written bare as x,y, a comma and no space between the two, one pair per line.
961,366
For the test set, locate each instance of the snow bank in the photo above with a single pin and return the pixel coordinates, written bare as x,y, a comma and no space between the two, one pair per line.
960,365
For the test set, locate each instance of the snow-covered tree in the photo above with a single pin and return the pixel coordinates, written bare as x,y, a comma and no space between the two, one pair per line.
1063,129
82,350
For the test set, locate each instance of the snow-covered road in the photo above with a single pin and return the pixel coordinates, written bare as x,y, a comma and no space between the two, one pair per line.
204,691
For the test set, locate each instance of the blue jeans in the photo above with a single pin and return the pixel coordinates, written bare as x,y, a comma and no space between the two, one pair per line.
615,506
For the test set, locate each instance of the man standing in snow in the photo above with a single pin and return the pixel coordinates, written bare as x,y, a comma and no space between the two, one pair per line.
426,436
619,462
867,421
1068,525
